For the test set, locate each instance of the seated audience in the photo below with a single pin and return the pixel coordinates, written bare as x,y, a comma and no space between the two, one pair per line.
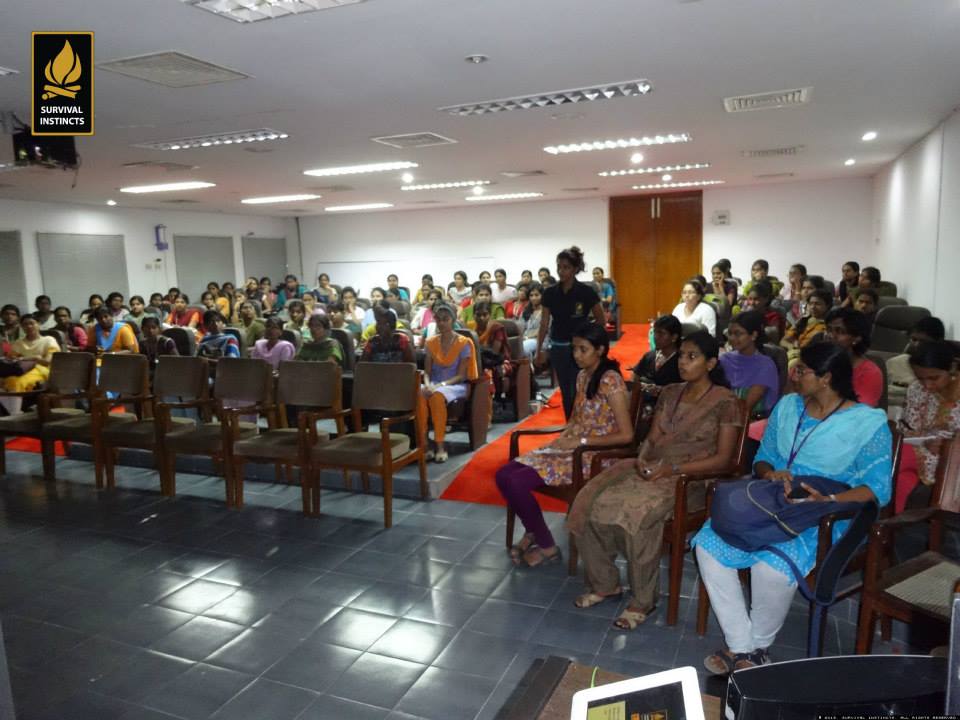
154,343
500,291
183,316
297,323
291,290
251,288
251,327
758,298
75,334
850,279
239,298
483,294
320,347
377,296
546,279
449,364
605,290
426,285
790,292
850,330
796,310
137,311
156,302
172,295
387,345
526,277
268,298
532,317
868,302
600,417
271,348
460,290
33,352
220,300
107,335
44,313
352,313
215,343
759,272
660,366
494,347
725,265
899,373
693,309
842,440
513,310
324,291
311,306
811,327
752,375
337,312
10,317
624,508
115,303
723,290
393,283
424,315
484,277
88,316
209,301
932,410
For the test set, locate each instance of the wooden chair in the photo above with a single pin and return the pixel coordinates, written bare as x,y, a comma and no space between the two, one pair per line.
930,575
305,385
347,345
520,379
568,493
247,382
71,376
474,412
122,380
183,378
184,339
377,387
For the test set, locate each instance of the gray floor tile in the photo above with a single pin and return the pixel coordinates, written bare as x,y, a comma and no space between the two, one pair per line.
146,624
266,699
579,633
378,680
327,707
505,619
239,571
445,607
253,651
445,549
198,692
247,605
354,628
471,580
441,694
197,596
141,674
313,665
415,641
198,638
389,598
336,588
478,654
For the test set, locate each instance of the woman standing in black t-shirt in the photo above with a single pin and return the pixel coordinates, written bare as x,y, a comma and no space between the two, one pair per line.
568,304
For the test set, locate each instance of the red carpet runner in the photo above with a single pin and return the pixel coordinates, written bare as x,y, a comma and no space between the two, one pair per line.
475,481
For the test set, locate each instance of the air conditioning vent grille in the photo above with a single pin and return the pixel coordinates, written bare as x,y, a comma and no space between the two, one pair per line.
160,165
768,100
522,173
774,176
413,140
172,69
774,152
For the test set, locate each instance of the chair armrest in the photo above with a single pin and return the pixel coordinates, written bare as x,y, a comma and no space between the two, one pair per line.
185,405
26,393
515,436
597,460
246,410
909,517
577,461
386,422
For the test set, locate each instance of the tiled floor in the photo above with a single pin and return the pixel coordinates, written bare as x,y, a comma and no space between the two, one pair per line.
126,605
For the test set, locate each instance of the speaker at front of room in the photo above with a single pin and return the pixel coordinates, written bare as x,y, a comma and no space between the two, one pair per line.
866,685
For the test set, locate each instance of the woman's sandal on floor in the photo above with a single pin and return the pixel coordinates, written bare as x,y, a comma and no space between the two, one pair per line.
629,619
517,551
724,662
590,599
535,556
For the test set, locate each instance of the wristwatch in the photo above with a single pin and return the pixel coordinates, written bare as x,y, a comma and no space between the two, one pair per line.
583,441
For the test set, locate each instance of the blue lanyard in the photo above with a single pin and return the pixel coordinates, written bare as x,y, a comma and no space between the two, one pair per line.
794,448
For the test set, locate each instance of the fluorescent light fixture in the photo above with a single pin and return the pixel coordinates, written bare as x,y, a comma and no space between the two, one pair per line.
621,143
407,178
477,190
607,91
508,196
636,158
248,11
278,199
849,161
111,203
447,185
352,208
8,71
654,170
360,169
688,183
869,135
168,187
237,137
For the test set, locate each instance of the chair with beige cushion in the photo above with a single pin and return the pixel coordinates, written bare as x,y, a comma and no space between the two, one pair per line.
380,388
314,389
71,376
184,379
125,380
242,387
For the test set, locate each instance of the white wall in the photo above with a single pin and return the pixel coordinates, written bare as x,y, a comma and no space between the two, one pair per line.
917,222
137,228
821,223
524,235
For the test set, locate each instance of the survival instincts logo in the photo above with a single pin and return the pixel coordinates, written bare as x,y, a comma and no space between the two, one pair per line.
62,102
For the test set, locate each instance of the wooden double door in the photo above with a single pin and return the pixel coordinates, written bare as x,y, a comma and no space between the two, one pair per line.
656,244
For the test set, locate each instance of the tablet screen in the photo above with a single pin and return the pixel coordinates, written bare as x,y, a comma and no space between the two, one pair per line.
663,702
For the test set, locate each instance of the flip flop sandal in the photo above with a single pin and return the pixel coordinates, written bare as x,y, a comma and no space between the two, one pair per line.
588,600
630,619
723,662
517,551
535,557
440,456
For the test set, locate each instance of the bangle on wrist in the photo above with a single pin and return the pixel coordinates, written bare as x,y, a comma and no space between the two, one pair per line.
833,497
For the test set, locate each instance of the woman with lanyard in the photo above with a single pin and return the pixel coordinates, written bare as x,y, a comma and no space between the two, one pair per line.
566,305
822,431
110,336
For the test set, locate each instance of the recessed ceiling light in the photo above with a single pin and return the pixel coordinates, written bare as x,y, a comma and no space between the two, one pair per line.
279,199
407,178
667,177
657,169
849,161
477,190
8,71
636,158
365,206
446,185
359,169
508,196
111,203
618,144
689,183
168,187
237,137
248,11
869,135
607,91
476,59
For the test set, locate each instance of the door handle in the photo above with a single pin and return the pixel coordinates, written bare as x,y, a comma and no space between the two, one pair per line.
658,207
653,208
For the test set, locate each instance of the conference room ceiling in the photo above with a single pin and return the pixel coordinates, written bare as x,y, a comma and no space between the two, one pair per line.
334,79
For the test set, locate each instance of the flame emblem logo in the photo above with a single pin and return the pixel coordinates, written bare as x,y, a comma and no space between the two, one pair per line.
61,73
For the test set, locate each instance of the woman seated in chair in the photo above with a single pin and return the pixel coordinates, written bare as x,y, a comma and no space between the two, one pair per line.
811,327
137,312
34,352
932,410
298,318
822,431
532,316
75,334
459,291
692,309
660,367
850,330
752,375
601,416
154,343
849,280
494,347
377,296
115,303
387,345
88,316
513,310
723,289
220,302
270,347
450,363
183,316
44,312
352,313
217,344
624,508
340,320
320,347
424,315
12,331
758,299
311,306
110,336
156,304
325,292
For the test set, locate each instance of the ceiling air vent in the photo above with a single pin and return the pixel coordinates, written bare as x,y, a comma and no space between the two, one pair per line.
248,11
768,100
172,69
159,165
330,189
424,202
774,152
180,201
608,91
774,176
413,140
579,190
522,173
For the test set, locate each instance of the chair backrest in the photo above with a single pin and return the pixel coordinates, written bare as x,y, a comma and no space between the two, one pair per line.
402,308
886,301
124,374
516,347
880,360
309,384
946,488
690,328
185,340
390,387
887,288
56,335
181,377
244,379
779,357
830,286
71,372
475,339
891,328
346,343
238,335
293,337
155,311
257,307
512,327
363,303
